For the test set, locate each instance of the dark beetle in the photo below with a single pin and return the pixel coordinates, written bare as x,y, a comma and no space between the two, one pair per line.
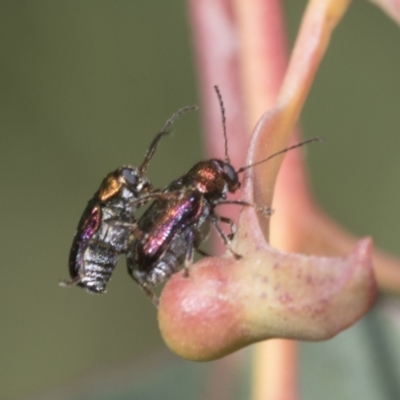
174,225
108,220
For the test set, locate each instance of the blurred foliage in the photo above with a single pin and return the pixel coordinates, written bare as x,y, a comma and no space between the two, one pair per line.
84,86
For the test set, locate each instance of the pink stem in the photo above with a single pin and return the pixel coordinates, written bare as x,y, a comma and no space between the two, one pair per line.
216,46
263,64
261,30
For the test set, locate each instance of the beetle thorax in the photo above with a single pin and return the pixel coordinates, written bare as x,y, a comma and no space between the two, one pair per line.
213,177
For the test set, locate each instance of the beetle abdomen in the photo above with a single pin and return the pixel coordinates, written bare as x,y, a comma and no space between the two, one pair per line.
99,260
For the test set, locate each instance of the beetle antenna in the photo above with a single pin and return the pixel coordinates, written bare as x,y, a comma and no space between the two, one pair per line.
315,139
165,131
221,105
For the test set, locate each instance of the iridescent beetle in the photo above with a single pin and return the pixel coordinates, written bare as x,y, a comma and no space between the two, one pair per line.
173,226
108,220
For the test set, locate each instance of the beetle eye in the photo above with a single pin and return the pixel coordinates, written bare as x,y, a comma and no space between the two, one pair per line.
130,176
230,172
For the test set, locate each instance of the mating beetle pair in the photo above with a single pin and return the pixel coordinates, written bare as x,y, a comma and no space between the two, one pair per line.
164,238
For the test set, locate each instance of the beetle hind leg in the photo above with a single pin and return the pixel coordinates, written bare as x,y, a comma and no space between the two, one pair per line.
147,291
70,282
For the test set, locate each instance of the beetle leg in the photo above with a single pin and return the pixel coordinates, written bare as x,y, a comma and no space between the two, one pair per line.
214,220
143,285
202,252
71,282
189,254
267,211
146,290
231,225
153,196
136,232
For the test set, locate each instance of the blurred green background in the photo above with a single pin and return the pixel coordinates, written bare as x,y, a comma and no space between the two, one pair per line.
84,86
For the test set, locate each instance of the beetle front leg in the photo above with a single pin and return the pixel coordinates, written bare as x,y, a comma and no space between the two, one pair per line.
155,195
267,211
